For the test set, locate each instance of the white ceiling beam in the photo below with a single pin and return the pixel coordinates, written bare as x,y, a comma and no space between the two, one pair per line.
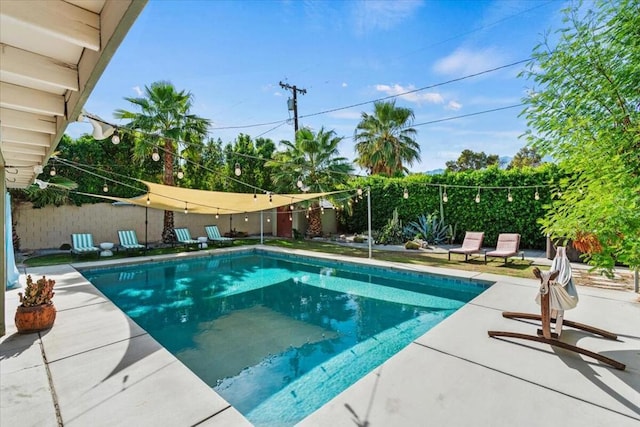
15,158
9,147
25,68
58,19
30,100
26,137
27,121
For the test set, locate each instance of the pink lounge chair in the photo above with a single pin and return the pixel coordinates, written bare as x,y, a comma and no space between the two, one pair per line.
472,244
508,245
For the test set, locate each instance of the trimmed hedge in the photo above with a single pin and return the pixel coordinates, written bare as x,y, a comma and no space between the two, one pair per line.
493,215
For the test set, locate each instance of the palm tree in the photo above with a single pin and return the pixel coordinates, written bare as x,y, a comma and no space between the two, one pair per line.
385,140
164,112
314,161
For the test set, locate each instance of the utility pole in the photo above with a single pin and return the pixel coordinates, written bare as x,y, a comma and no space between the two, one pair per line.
294,107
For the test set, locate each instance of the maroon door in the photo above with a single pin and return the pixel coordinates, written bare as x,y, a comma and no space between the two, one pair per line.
284,222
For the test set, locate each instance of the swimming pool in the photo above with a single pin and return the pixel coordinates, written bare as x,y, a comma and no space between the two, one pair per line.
278,335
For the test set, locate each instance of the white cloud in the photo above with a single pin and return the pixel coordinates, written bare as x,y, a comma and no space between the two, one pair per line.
463,62
415,97
137,90
372,15
453,105
344,84
277,93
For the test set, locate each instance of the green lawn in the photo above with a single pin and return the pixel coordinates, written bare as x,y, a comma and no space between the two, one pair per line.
515,267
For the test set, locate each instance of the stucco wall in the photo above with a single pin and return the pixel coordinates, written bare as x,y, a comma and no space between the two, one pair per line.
50,227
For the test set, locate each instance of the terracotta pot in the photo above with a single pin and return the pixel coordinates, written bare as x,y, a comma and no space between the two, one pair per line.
34,319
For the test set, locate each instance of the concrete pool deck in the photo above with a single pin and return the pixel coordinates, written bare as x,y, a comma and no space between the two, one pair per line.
97,367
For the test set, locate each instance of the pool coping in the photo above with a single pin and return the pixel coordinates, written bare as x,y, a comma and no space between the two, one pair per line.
103,368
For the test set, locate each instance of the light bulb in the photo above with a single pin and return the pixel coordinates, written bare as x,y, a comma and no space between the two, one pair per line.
478,198
290,207
52,172
105,188
217,215
405,194
510,197
148,200
237,170
186,210
268,219
115,139
290,218
299,184
537,195
322,210
359,191
246,218
155,155
180,174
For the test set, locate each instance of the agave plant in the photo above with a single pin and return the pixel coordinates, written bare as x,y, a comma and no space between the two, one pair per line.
428,227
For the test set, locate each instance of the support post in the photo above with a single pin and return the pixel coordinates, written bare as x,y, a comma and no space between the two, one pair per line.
261,227
369,218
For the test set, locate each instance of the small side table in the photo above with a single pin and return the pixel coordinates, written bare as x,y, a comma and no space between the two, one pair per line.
106,249
203,242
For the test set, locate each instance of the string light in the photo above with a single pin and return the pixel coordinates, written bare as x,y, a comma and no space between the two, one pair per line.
52,172
105,188
405,195
237,169
186,209
246,218
299,184
155,156
268,219
359,191
148,200
536,195
115,139
322,210
478,196
445,198
270,198
218,214
290,217
180,174
509,196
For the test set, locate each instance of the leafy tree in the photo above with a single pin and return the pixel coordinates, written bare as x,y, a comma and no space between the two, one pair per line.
471,160
584,111
164,112
385,140
250,156
205,168
311,164
525,157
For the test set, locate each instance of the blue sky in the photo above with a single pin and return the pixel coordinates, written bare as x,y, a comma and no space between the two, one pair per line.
231,55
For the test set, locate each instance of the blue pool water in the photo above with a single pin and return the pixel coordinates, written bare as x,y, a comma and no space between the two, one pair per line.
278,336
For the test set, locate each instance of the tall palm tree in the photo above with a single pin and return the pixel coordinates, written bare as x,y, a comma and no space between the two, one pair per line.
164,112
385,140
314,160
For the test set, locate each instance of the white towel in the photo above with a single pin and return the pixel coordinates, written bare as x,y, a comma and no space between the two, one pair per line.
562,292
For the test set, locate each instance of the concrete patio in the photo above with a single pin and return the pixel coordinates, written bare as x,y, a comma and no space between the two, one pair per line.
97,367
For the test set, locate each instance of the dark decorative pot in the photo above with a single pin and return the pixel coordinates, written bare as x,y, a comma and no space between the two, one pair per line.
34,319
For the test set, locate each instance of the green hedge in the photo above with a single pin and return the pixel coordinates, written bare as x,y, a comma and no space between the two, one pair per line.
493,215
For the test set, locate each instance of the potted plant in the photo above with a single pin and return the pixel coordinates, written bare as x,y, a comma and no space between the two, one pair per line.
36,311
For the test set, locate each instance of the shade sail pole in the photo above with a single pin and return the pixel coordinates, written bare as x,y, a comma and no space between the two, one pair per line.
369,217
261,227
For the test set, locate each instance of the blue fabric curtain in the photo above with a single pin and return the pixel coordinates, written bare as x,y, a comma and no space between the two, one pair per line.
12,271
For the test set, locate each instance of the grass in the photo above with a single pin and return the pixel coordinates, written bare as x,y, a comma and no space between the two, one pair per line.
515,267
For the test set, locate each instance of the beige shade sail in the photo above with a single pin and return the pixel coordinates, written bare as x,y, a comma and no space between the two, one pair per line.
166,197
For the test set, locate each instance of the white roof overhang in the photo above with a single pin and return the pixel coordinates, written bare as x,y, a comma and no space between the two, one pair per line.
52,53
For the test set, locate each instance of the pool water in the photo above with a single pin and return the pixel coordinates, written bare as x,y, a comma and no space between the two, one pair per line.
279,336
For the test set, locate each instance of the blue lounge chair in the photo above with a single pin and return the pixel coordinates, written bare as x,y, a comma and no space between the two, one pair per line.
184,237
213,234
129,241
82,243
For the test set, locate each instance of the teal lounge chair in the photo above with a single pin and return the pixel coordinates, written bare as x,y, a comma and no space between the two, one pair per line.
82,243
213,234
184,237
129,241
